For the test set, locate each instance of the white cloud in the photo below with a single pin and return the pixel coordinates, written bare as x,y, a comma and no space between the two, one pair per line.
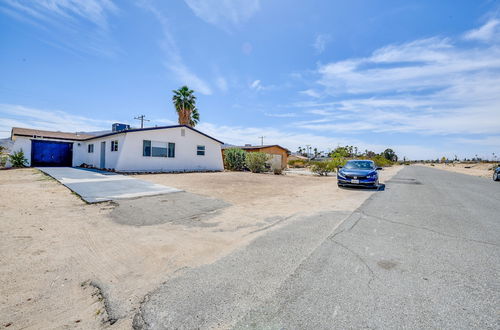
221,84
256,85
281,115
320,42
311,93
72,19
54,120
174,62
224,13
429,86
489,31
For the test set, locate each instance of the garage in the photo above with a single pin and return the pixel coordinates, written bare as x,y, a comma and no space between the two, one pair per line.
51,153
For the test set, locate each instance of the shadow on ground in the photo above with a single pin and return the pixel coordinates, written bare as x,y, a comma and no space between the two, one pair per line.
180,208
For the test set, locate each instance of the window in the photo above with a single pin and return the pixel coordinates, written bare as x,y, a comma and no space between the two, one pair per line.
114,145
158,149
200,150
90,148
171,150
146,148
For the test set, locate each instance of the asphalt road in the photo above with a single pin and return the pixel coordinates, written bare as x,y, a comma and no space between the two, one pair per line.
424,253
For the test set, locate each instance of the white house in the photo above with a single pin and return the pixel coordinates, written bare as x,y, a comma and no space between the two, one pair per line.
177,148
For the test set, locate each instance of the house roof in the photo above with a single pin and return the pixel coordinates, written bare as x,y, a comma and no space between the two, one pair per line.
255,147
29,132
85,137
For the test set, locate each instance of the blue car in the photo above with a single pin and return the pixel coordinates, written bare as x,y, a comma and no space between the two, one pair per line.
496,174
358,173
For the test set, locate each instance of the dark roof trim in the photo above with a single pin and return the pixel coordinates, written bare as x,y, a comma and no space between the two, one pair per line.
256,147
150,129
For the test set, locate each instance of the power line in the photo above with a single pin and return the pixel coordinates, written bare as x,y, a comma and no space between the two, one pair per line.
142,119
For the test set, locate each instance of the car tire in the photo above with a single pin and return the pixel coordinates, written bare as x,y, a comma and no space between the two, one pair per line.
495,177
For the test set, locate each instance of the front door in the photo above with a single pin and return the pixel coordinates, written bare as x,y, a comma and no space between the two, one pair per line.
103,155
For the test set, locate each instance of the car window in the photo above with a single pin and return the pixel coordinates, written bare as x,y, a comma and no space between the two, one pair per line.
359,165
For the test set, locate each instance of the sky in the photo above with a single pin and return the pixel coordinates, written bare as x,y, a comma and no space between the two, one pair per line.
420,77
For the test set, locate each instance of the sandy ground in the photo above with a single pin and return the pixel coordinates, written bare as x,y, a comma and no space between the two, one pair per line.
65,264
478,169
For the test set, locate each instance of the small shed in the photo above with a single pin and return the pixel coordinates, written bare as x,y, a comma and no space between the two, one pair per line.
278,153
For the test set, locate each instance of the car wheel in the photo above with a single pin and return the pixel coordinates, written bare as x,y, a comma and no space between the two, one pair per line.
495,177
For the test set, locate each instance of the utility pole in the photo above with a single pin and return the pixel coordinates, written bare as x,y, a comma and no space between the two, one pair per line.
261,140
142,119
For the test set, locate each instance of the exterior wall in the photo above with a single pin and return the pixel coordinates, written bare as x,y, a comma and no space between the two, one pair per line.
129,156
186,159
24,143
94,158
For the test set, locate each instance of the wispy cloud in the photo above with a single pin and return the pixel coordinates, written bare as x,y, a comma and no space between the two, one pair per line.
174,61
12,115
429,86
281,115
65,21
487,32
320,42
224,13
311,93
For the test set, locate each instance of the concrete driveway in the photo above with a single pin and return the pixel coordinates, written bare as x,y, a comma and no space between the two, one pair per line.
98,186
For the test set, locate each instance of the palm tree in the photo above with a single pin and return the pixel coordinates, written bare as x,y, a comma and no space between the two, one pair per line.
185,105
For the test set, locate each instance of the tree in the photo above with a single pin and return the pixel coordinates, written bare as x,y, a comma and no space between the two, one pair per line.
185,105
234,159
389,154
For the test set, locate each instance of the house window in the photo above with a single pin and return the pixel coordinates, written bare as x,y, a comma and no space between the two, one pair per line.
157,149
171,150
146,148
90,148
200,150
114,145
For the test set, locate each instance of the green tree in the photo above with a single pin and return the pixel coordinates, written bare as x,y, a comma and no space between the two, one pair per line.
185,106
234,159
390,155
256,161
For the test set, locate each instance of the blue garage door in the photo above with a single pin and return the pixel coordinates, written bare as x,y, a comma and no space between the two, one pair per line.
50,153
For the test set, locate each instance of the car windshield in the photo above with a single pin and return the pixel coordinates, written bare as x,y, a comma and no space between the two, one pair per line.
359,165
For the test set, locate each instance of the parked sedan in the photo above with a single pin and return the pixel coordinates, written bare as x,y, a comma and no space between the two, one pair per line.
358,173
496,174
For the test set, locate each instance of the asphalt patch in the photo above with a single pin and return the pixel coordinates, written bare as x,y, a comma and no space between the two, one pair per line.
180,208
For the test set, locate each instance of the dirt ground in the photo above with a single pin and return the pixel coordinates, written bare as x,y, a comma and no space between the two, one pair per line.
477,169
65,264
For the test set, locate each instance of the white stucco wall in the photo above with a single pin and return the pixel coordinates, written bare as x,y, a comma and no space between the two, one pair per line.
129,157
186,159
94,158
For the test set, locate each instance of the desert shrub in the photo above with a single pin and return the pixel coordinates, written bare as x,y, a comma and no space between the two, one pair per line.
336,162
298,163
277,171
234,159
321,168
3,160
256,161
381,161
17,159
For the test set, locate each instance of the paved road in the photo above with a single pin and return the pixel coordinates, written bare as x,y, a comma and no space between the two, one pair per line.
98,186
424,253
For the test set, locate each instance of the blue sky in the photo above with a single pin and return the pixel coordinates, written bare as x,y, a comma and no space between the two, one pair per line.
421,77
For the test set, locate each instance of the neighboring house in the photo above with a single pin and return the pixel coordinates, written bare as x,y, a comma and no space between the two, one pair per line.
279,155
177,148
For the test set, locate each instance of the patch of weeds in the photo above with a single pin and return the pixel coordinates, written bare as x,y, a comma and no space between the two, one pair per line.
44,176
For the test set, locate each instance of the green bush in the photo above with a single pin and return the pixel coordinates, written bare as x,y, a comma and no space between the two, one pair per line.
3,160
381,161
256,161
298,163
17,159
336,162
234,159
322,168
